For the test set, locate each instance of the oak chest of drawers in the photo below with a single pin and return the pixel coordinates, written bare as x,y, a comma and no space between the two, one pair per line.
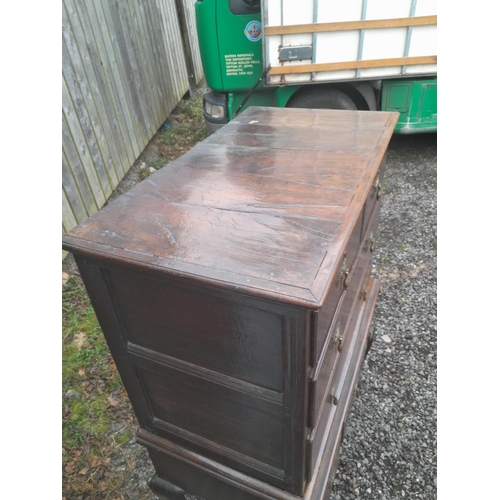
234,290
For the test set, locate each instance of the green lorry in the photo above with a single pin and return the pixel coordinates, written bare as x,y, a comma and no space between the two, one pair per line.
361,54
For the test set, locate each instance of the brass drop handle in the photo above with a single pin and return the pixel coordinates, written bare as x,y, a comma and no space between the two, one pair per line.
333,398
344,272
338,339
378,188
346,279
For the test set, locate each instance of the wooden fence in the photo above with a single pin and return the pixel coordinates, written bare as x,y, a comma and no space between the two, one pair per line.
126,64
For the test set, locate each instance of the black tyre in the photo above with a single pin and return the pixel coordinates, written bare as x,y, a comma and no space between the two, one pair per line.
322,99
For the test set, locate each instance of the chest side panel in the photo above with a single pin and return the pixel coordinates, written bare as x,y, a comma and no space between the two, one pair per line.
222,378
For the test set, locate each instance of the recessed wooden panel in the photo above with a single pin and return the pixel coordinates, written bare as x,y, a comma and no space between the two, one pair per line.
223,336
223,418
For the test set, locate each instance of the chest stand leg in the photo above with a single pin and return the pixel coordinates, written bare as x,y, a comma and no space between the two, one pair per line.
165,490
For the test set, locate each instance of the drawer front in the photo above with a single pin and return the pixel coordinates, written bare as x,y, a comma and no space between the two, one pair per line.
360,295
337,376
337,334
347,370
315,439
326,313
322,375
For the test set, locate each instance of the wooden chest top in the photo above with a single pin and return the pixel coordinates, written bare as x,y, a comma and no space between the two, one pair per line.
264,206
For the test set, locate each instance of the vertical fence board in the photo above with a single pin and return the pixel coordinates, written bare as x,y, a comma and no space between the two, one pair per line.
72,191
74,163
80,78
191,37
68,219
173,45
157,62
129,70
124,69
100,91
80,141
147,59
153,13
113,78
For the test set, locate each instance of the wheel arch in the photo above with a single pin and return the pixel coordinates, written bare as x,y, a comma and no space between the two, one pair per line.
361,93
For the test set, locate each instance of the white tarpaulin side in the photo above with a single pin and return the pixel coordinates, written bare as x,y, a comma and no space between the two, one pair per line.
332,40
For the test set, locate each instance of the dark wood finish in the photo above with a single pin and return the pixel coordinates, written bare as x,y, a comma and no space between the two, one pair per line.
318,488
221,282
334,346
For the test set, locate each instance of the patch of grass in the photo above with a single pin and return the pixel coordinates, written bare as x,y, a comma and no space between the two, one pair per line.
87,378
186,127
87,417
121,439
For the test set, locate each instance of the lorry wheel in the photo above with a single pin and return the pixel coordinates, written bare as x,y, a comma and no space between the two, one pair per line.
322,99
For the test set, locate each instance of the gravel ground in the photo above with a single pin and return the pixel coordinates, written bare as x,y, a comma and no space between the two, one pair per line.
389,449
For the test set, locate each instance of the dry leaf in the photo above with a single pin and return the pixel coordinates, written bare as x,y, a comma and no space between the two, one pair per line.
94,460
112,401
112,366
83,471
65,277
81,372
70,468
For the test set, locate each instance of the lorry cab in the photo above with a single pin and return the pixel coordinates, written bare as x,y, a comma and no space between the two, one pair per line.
237,56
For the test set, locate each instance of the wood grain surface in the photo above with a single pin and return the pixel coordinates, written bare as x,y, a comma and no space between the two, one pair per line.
264,205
